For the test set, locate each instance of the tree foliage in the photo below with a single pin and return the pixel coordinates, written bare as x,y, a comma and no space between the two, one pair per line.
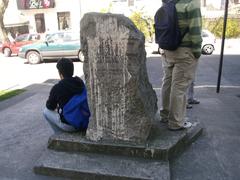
216,27
3,32
108,9
143,23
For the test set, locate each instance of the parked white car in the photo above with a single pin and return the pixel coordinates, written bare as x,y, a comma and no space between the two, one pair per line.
208,44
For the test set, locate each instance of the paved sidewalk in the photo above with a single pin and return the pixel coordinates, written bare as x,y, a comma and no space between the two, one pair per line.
23,133
216,155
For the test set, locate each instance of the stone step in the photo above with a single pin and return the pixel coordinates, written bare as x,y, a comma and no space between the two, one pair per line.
161,144
97,166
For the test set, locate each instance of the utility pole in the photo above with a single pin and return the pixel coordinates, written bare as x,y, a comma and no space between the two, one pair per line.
222,47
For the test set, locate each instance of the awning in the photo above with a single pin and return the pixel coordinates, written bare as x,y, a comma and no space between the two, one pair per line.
17,24
13,18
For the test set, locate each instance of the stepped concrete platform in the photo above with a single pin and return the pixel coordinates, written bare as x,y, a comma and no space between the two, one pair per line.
161,144
74,156
99,166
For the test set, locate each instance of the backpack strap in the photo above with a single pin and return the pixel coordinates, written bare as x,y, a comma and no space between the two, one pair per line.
187,29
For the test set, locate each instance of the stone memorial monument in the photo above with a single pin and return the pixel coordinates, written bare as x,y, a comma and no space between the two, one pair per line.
122,101
123,141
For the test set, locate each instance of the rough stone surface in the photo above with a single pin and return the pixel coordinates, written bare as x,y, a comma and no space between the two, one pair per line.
121,99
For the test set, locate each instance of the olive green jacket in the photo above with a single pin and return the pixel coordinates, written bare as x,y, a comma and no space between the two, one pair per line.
190,21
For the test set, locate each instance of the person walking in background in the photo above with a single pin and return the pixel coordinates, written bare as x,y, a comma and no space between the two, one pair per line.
65,24
191,99
179,65
190,96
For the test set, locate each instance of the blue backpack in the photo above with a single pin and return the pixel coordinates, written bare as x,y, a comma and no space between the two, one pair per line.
76,112
167,32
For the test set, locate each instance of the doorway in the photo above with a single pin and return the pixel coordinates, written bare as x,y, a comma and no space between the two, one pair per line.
40,23
63,20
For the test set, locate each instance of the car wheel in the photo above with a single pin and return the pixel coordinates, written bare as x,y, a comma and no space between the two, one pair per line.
207,49
7,52
80,56
33,57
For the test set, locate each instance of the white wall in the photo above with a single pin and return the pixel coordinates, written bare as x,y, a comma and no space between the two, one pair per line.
12,15
214,3
50,15
149,7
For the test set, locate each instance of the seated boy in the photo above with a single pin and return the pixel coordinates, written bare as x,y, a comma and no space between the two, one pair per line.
60,94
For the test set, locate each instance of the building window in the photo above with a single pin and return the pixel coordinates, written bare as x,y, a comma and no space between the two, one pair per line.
130,2
40,23
204,3
63,20
237,1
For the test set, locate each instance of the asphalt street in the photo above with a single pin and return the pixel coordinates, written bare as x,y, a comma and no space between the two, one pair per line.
207,72
16,74
216,154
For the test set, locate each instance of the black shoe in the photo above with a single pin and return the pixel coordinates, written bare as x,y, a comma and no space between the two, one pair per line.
189,106
193,101
164,120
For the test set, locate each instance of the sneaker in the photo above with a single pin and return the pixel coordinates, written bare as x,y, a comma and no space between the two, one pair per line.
164,120
186,125
189,106
193,101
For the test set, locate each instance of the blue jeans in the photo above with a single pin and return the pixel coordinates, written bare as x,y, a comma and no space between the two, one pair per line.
53,118
190,91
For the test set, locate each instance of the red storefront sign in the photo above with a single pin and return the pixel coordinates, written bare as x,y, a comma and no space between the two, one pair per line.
35,4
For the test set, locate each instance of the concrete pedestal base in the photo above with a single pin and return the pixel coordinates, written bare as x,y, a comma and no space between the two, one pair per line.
73,156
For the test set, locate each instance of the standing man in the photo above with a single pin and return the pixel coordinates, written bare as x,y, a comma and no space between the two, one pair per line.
190,93
180,65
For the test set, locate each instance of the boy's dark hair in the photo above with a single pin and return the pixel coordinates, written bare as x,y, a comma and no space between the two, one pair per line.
65,67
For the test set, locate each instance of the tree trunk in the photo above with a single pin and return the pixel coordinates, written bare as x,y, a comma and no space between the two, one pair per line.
3,31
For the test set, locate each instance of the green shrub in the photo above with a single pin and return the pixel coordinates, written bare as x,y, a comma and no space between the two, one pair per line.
216,27
8,94
143,23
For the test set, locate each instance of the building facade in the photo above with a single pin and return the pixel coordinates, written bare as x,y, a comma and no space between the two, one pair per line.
215,8
127,7
51,15
41,16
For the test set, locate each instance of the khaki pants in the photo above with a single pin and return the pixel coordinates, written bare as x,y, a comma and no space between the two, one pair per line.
179,68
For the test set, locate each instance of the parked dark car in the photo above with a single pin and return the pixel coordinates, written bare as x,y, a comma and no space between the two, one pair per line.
13,47
56,45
